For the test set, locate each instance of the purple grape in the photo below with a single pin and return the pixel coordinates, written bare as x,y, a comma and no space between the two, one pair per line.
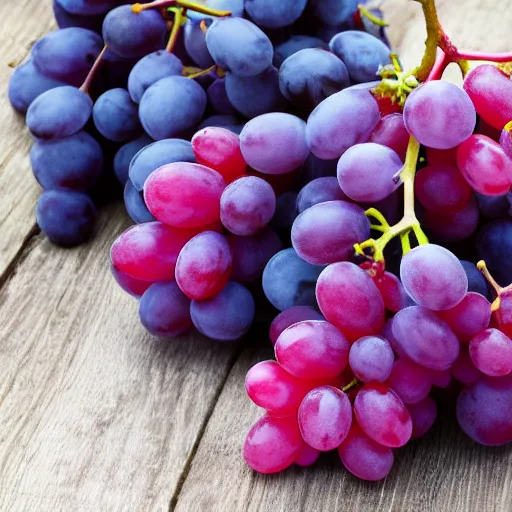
423,415
124,156
67,19
286,210
135,205
131,285
294,45
476,281
371,359
195,44
320,190
218,98
333,12
272,14
87,7
409,381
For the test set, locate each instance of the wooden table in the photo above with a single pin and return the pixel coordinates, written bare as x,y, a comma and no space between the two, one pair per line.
95,415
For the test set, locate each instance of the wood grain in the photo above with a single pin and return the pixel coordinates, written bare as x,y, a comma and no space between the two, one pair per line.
22,23
95,415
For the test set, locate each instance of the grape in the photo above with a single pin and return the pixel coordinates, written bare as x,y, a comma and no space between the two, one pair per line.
319,190
218,97
470,316
271,14
156,155
349,299
229,122
164,310
135,206
476,282
312,349
272,444
333,12
326,233
371,359
484,165
73,162
309,76
67,54
226,317
505,141
195,45
58,113
433,277
393,293
423,415
341,121
423,337
492,207
115,70
442,189
149,251
219,149
235,7
294,45
203,266
239,46
255,95
274,143
439,115
502,316
489,89
315,168
273,388
441,156
67,19
361,52
149,70
306,456
325,417
484,410
463,369
129,284
124,156
366,172
184,195
132,34
286,210
290,281
391,132
441,378
382,416
247,205
365,458
87,7
66,217
491,352
116,116
289,317
409,381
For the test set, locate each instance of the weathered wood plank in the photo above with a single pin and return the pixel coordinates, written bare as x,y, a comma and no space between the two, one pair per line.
95,415
22,23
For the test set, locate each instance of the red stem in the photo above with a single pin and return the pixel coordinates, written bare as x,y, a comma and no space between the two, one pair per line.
493,57
92,73
442,60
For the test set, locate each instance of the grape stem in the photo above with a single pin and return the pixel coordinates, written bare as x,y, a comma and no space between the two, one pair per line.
202,72
179,18
92,73
351,385
191,6
499,290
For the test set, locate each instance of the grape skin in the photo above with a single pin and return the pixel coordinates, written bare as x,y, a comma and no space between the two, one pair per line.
391,132
124,156
289,317
371,359
218,98
409,381
491,352
319,190
271,14
423,415
293,45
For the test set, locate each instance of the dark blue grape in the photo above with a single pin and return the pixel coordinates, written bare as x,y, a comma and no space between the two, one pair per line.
67,54
256,95
476,281
222,120
73,162
228,316
87,7
135,205
149,70
164,310
172,106
311,75
59,112
157,154
493,206
132,34
115,70
239,46
66,19
272,14
218,97
66,216
195,44
286,210
124,156
315,168
362,53
335,12
116,116
294,45
27,84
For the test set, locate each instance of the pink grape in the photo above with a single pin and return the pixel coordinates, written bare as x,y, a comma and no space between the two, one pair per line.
391,132
490,90
149,251
393,292
270,386
484,410
272,444
424,338
307,456
184,195
289,317
440,378
203,266
439,115
312,349
409,381
382,416
371,359
442,189
365,458
350,300
485,166
491,352
247,205
463,369
326,233
433,277
423,415
129,284
470,316
325,416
